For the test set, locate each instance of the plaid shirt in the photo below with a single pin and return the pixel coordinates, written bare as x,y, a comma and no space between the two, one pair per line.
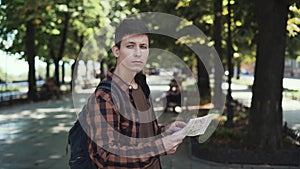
113,124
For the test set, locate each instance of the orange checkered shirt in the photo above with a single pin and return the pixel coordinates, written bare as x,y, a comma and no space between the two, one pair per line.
113,124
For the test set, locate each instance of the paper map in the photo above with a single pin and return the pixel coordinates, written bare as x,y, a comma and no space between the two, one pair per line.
196,126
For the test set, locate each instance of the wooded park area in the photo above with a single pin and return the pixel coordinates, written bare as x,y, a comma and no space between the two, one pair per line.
262,32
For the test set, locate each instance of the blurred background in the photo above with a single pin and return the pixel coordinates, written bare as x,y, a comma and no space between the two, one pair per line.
257,42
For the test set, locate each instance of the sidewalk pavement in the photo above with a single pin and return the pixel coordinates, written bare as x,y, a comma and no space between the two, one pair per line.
183,159
34,136
290,108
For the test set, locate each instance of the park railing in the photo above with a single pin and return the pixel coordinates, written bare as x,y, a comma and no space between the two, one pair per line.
18,90
15,90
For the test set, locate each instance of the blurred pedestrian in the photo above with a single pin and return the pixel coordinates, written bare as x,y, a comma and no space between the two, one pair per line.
50,89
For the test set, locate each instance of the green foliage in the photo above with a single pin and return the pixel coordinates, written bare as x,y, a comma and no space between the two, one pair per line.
50,17
293,22
87,17
293,28
3,76
228,134
201,13
292,94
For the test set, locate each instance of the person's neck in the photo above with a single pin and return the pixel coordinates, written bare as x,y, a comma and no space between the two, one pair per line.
126,75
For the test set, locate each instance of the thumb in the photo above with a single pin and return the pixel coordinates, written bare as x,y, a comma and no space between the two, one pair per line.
180,124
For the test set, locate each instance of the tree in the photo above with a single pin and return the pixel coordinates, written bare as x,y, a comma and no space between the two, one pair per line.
56,28
41,29
265,123
62,45
30,53
293,28
218,46
18,25
200,17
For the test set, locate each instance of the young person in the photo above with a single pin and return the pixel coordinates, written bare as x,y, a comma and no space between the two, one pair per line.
121,122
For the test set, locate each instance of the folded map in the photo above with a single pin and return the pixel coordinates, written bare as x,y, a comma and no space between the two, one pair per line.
196,126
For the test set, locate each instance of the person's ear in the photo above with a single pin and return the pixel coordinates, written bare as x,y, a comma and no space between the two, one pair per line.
116,51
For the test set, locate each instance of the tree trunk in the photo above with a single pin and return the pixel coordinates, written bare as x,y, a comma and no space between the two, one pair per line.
63,73
218,26
61,47
73,73
265,123
30,53
229,99
217,38
56,72
47,69
56,64
203,82
238,68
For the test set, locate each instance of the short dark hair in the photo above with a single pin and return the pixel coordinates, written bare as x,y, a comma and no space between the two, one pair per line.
128,27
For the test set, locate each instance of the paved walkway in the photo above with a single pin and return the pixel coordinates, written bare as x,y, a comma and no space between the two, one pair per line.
290,108
34,136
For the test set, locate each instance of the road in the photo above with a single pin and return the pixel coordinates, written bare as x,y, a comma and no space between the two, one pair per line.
34,136
290,108
288,83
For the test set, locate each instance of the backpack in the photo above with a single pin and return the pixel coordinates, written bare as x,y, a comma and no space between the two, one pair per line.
79,142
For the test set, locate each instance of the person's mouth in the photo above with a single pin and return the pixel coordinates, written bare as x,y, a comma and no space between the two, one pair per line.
137,62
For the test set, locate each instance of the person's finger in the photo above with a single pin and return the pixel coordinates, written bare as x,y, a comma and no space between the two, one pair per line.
180,124
180,136
178,140
177,128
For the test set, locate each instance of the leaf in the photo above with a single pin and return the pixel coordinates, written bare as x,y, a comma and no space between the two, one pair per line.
62,8
55,32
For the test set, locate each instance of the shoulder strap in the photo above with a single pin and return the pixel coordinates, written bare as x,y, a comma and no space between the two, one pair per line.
104,84
109,86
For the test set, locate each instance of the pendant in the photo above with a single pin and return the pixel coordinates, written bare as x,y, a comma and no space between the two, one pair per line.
130,87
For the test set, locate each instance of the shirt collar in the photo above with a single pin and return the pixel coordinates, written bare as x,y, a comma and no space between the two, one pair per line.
116,80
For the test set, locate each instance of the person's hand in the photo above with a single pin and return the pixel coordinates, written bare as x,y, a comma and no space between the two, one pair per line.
173,127
171,142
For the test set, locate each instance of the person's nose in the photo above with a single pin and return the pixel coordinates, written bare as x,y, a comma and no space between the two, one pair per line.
138,52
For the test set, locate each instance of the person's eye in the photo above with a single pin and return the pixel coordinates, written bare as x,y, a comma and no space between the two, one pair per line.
144,47
130,46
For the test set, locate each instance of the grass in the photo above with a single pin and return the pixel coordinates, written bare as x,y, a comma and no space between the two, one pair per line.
235,137
292,94
231,136
13,89
243,82
229,145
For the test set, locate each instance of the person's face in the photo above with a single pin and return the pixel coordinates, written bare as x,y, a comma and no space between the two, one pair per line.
133,52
